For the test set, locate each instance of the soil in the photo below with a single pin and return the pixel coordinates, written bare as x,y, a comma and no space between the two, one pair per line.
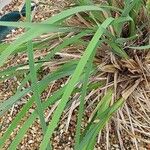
129,129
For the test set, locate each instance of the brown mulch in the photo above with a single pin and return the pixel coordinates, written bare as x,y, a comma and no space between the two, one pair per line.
63,138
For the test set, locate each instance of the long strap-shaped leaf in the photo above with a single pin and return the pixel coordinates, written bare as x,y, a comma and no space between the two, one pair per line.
15,122
83,95
34,80
62,72
72,82
32,33
52,53
94,131
51,100
32,119
51,28
140,47
82,99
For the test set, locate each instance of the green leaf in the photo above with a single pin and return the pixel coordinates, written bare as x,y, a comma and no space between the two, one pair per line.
32,33
140,47
41,26
71,85
83,95
51,54
118,50
90,137
34,80
65,70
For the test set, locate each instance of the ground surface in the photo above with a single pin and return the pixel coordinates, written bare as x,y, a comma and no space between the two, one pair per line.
128,129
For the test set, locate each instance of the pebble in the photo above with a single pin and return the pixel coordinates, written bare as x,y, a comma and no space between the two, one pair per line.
33,136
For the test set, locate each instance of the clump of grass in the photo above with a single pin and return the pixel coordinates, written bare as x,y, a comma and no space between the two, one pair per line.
114,60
